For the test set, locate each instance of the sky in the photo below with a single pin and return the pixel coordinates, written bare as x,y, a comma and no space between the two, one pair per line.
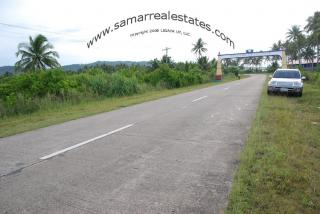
70,25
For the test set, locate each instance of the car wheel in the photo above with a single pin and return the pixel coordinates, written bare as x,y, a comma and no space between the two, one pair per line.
299,94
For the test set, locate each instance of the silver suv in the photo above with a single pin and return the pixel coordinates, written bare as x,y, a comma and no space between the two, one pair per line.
287,81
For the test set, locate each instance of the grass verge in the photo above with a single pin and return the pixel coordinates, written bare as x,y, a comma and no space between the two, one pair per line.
279,168
66,111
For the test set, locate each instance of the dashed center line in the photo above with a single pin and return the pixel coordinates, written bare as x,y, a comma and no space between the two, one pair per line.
84,142
200,98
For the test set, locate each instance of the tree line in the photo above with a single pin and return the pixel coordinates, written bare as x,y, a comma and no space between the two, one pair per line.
303,42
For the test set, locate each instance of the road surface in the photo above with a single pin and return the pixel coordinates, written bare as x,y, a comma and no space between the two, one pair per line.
173,155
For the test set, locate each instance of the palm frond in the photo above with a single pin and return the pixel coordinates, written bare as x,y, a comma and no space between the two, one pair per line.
38,54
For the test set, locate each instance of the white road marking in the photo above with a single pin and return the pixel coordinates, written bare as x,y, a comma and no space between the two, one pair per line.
84,142
200,98
226,88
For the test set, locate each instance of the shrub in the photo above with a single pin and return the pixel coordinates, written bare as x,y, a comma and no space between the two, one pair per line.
29,92
311,76
121,85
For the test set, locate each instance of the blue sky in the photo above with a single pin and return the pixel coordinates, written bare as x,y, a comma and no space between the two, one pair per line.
69,25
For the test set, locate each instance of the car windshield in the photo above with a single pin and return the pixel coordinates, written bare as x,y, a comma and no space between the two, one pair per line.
287,74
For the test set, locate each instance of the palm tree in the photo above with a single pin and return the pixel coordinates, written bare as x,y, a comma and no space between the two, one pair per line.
36,55
313,27
199,48
204,63
277,46
257,61
308,54
294,33
292,51
295,36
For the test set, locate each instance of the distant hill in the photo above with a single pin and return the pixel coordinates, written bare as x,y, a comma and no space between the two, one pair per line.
6,69
77,67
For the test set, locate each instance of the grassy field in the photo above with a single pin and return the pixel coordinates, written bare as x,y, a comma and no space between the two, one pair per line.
67,111
279,168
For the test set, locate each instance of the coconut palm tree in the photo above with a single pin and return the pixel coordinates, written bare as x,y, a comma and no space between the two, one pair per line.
36,55
277,46
297,39
204,63
257,61
294,33
313,27
308,54
199,48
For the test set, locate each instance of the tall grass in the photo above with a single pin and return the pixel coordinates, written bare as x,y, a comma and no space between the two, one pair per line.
279,166
28,92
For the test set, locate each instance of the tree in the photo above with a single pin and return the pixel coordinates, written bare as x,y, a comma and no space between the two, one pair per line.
313,27
199,48
167,60
292,51
214,63
308,54
257,61
274,66
297,39
294,33
154,64
277,46
204,63
36,55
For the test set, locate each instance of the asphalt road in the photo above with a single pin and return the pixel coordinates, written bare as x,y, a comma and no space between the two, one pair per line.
172,155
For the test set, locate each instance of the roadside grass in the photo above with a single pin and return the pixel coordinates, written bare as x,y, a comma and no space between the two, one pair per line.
279,168
67,111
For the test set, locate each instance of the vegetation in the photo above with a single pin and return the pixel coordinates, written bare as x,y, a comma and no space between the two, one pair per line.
54,112
299,44
31,91
38,88
279,166
303,43
37,55
198,48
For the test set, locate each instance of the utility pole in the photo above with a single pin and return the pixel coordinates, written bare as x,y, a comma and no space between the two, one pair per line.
166,49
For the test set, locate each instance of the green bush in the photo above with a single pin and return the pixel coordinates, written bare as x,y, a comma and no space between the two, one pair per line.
28,92
311,76
171,78
121,85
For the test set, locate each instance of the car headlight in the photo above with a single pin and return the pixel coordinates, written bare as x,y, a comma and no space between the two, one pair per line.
272,83
299,84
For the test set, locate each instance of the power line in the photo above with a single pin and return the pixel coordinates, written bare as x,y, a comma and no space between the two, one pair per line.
38,30
27,28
